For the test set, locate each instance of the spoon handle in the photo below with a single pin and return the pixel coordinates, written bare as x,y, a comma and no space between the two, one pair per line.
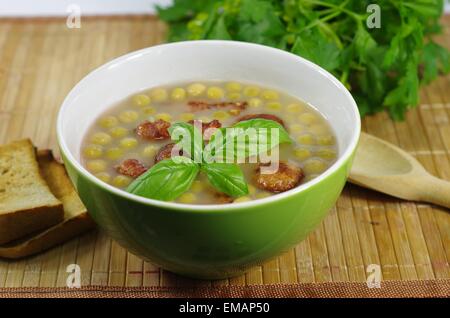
436,191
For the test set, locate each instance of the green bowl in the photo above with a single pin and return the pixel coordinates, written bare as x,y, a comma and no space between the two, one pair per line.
208,241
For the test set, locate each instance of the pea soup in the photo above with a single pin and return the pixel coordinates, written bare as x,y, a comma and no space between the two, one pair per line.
130,145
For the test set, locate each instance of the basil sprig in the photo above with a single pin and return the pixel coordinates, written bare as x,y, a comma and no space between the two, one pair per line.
256,135
226,177
170,178
166,180
189,138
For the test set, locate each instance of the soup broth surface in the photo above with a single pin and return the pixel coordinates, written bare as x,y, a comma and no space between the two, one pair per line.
113,139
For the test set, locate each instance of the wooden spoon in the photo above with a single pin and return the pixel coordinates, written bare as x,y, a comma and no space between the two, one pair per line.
383,167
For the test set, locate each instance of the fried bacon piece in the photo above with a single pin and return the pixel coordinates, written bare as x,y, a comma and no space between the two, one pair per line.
156,130
212,126
166,152
285,178
202,105
263,116
131,167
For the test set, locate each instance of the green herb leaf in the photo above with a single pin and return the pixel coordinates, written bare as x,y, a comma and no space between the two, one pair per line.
183,10
166,180
227,178
258,123
258,20
219,30
247,138
189,138
405,93
376,64
364,43
435,59
316,48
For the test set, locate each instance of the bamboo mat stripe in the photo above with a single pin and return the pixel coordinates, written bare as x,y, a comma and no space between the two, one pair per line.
41,60
388,289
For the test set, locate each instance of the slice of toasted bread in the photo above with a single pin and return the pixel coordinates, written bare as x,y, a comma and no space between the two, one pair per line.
76,220
26,203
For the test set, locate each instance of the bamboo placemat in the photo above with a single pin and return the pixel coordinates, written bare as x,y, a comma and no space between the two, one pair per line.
388,289
40,61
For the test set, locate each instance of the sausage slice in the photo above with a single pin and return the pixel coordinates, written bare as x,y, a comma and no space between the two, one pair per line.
212,126
285,178
223,198
165,152
156,130
263,116
131,167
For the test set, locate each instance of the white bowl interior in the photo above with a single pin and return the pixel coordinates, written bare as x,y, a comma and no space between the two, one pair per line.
207,60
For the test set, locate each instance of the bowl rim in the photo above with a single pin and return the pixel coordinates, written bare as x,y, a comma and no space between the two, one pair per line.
208,207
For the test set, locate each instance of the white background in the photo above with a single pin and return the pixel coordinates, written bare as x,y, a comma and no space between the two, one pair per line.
88,7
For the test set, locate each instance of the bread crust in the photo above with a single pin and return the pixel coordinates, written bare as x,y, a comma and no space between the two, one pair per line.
19,177
76,219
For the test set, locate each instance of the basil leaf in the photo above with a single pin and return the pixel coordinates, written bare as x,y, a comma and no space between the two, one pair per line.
166,180
227,178
189,138
268,124
247,138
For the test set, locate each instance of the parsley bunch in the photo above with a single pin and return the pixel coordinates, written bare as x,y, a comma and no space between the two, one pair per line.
383,67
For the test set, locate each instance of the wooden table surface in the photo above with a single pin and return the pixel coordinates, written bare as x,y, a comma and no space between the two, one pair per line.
41,60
